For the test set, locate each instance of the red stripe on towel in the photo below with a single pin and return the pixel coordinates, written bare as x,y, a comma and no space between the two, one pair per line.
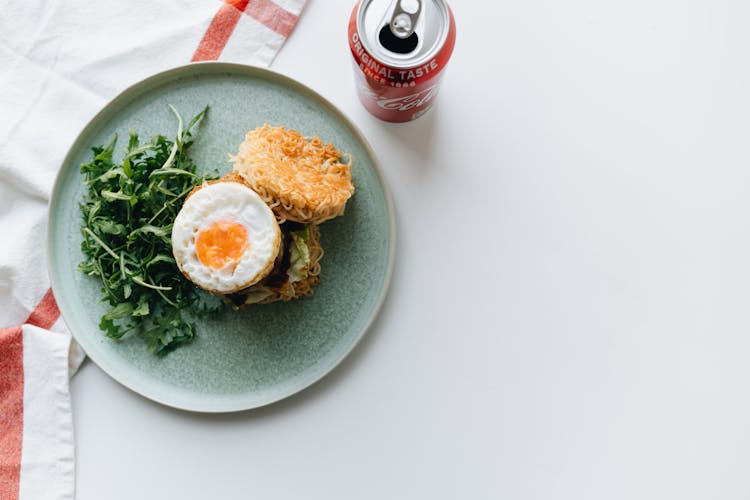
218,32
272,16
46,313
222,25
11,410
44,316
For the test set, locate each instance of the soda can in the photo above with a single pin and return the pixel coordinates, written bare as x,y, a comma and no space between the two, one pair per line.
400,50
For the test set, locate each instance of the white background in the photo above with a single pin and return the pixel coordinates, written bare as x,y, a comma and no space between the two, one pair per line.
568,316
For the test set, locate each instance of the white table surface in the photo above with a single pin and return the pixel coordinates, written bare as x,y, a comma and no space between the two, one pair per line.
568,316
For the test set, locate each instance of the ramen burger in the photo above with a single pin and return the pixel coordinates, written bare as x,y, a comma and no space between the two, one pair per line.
302,179
225,237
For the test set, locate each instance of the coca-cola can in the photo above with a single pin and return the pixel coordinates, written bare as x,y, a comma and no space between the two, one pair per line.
400,50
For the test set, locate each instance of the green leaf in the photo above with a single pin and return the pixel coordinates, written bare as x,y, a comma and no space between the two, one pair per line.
109,328
195,120
161,232
164,171
299,254
108,175
161,258
112,196
120,311
108,226
142,309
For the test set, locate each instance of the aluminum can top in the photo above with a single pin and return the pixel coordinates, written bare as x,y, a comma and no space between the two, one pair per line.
403,33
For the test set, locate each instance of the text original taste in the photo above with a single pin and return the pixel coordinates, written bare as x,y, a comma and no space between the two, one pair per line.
384,74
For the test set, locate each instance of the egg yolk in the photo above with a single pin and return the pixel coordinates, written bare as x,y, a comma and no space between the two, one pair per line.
222,243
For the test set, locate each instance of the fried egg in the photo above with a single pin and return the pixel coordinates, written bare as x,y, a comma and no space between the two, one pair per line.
225,238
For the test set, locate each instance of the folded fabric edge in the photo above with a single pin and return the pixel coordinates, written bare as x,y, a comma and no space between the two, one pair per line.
48,446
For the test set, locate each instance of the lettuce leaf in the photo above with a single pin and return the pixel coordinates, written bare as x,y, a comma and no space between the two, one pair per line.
256,294
299,255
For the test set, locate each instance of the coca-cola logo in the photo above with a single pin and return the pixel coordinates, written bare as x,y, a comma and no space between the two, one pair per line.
410,101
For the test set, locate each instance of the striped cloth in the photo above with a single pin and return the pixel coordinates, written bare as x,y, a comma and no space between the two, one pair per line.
61,62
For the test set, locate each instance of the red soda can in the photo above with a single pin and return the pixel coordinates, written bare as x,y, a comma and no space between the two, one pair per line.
400,49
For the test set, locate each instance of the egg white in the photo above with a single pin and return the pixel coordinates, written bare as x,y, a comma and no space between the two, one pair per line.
226,201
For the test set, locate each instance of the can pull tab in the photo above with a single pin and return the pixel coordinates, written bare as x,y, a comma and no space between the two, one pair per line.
405,17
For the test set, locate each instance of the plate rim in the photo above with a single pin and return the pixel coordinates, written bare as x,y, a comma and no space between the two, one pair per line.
214,67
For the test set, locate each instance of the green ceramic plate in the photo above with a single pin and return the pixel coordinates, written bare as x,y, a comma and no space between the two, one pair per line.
239,360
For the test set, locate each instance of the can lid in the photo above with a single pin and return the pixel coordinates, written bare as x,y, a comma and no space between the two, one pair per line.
403,33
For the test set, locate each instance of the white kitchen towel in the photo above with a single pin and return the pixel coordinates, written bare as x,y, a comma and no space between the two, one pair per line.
61,61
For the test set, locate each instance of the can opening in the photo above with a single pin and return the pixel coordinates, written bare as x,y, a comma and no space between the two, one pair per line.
391,42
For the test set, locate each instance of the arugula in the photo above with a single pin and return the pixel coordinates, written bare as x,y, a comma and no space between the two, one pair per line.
128,214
